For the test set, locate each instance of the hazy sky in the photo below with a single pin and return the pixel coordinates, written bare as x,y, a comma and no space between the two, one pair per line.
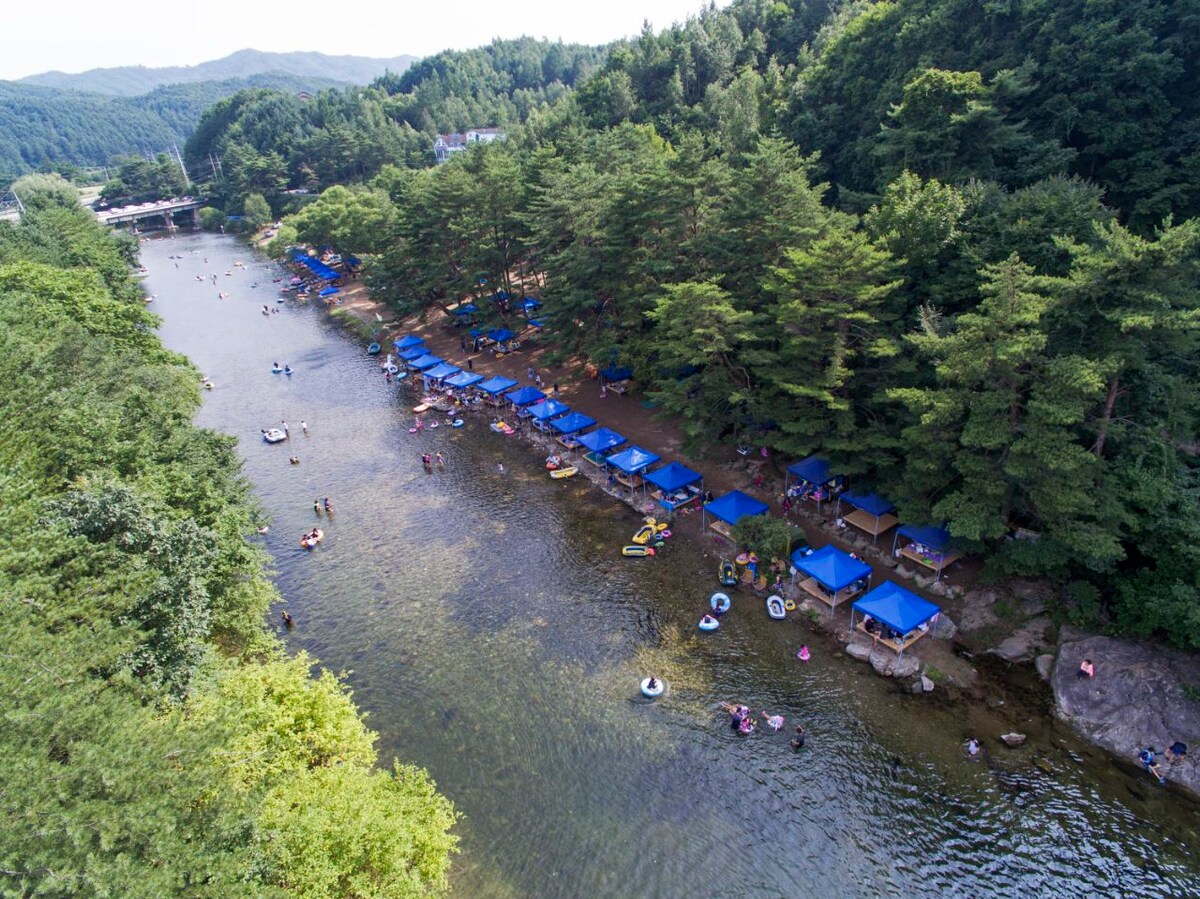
74,35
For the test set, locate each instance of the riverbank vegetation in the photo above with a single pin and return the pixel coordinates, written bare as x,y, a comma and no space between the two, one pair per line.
158,741
951,247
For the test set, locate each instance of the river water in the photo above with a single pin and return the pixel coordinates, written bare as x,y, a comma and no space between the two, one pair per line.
495,636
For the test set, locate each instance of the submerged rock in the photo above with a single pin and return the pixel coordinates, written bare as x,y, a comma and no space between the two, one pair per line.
1013,739
887,663
859,649
927,685
1026,643
1136,699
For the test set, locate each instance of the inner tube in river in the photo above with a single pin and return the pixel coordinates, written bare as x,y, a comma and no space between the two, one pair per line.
651,692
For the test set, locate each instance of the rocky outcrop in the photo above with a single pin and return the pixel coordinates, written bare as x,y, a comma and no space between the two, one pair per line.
1027,643
1135,700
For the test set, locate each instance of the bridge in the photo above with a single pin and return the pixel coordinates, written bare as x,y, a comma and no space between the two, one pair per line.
165,209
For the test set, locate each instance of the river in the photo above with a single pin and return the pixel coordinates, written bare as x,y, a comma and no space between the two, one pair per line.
489,627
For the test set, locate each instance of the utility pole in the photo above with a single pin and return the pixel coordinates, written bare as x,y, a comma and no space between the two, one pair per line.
20,205
187,182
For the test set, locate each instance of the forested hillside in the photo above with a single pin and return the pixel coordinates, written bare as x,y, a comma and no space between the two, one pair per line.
951,247
158,741
132,81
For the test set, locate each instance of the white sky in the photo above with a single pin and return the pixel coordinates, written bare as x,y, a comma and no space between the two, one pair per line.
76,35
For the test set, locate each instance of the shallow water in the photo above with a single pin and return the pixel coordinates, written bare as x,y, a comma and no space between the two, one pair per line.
496,637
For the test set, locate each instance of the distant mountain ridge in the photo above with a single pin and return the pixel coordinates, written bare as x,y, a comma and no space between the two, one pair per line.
132,81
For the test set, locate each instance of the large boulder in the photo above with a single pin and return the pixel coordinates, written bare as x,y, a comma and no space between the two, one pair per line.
859,649
944,628
1135,700
1028,641
977,609
888,664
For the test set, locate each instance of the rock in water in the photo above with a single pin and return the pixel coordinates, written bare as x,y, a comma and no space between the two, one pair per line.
926,684
1013,739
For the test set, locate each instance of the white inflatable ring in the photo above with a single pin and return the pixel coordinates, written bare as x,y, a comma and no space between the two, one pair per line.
656,691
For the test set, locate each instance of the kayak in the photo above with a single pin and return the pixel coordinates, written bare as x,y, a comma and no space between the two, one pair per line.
775,608
560,473
421,407
637,550
720,603
644,533
727,574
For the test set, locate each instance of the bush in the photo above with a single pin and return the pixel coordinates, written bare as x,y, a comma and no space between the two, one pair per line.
211,218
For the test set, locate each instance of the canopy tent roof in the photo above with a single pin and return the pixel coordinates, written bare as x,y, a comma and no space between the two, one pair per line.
316,266
871,503
734,506
443,370
408,342
427,361
569,424
463,379
633,460
673,476
832,567
531,303
814,470
497,384
900,609
329,291
548,410
523,396
500,335
601,439
617,373
476,332
412,353
465,310
935,538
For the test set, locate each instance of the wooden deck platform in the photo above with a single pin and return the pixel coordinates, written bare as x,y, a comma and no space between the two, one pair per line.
569,442
629,480
933,562
897,646
813,588
595,458
722,528
865,521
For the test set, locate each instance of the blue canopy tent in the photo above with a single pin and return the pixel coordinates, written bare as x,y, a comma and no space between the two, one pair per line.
542,412
329,291
569,425
412,353
497,384
729,509
500,335
463,380
599,442
465,310
928,546
812,480
529,304
630,462
524,396
408,342
904,617
440,372
831,575
427,361
870,512
537,324
614,377
677,485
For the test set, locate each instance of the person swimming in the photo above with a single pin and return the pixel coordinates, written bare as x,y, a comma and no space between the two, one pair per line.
287,619
746,726
798,740
804,655
972,747
295,460
317,506
775,722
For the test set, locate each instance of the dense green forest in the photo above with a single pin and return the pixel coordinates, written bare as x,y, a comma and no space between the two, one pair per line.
951,246
158,740
48,129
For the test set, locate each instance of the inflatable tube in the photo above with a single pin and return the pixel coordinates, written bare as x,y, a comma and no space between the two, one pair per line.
274,435
560,473
664,534
789,605
720,603
457,423
391,369
775,608
433,424
727,574
644,533
421,407
276,369
306,543
288,371
708,624
373,349
637,551
652,692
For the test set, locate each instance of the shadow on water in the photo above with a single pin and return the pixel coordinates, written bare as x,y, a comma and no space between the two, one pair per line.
495,637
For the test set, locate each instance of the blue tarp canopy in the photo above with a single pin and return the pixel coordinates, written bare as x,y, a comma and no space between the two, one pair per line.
443,370
524,396
316,266
476,332
900,609
673,477
832,567
353,260
569,424
536,323
412,353
463,379
329,291
935,538
466,310
427,361
548,410
531,303
601,439
497,384
734,506
814,470
408,342
617,374
871,503
500,335
633,460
